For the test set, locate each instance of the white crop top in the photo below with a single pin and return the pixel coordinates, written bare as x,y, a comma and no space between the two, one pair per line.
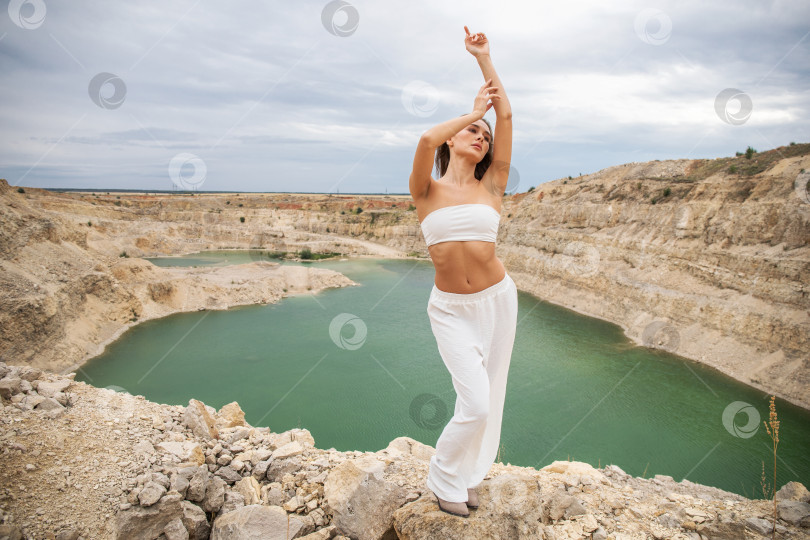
470,221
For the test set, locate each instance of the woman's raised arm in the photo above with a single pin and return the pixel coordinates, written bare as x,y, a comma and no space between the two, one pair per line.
497,174
431,139
478,46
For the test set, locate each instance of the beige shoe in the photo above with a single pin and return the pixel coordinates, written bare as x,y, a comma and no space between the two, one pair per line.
454,508
472,499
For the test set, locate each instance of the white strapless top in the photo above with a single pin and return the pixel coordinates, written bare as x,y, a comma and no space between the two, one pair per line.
470,221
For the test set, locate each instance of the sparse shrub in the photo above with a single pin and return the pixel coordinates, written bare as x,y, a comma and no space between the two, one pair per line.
570,177
732,169
792,143
124,254
240,205
327,229
565,181
638,186
242,219
738,154
359,210
530,189
411,208
509,215
772,427
117,203
227,202
667,192
654,200
749,152
343,211
305,253
89,224
20,190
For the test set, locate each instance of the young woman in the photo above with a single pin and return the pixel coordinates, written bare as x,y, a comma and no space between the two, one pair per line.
473,303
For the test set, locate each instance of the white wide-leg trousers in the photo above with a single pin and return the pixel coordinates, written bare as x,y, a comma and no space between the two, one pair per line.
475,333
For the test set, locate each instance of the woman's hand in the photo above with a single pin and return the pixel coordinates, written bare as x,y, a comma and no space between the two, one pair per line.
482,101
477,44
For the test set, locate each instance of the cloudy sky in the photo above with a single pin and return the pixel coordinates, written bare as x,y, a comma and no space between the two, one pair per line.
322,96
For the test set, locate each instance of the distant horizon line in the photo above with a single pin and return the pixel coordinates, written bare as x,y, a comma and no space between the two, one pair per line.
186,192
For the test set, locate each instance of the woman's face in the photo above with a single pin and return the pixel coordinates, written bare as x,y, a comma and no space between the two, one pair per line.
473,140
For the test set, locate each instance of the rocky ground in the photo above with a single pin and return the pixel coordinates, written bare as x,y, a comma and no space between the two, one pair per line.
93,463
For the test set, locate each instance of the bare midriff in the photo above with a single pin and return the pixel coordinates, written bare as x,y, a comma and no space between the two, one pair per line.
466,267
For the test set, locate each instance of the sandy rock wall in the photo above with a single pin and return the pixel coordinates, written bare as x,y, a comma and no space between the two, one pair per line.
683,254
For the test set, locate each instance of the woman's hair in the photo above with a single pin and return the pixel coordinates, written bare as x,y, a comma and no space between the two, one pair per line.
443,157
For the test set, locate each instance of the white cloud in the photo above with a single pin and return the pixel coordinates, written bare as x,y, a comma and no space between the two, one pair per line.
248,86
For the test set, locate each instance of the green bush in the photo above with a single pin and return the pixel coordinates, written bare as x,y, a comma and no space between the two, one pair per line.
359,210
732,169
242,219
89,224
667,192
530,189
411,207
20,190
124,254
749,152
305,253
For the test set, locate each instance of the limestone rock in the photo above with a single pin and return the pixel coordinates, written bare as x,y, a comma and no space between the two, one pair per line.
199,420
175,530
362,501
195,522
794,512
151,493
409,446
188,451
575,468
793,491
290,449
510,509
9,386
49,404
49,389
148,522
232,415
197,484
233,501
250,490
256,521
228,474
214,494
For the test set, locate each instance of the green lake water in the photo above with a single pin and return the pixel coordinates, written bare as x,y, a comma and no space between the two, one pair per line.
578,388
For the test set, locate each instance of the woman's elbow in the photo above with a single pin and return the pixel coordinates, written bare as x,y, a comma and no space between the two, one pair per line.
427,140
